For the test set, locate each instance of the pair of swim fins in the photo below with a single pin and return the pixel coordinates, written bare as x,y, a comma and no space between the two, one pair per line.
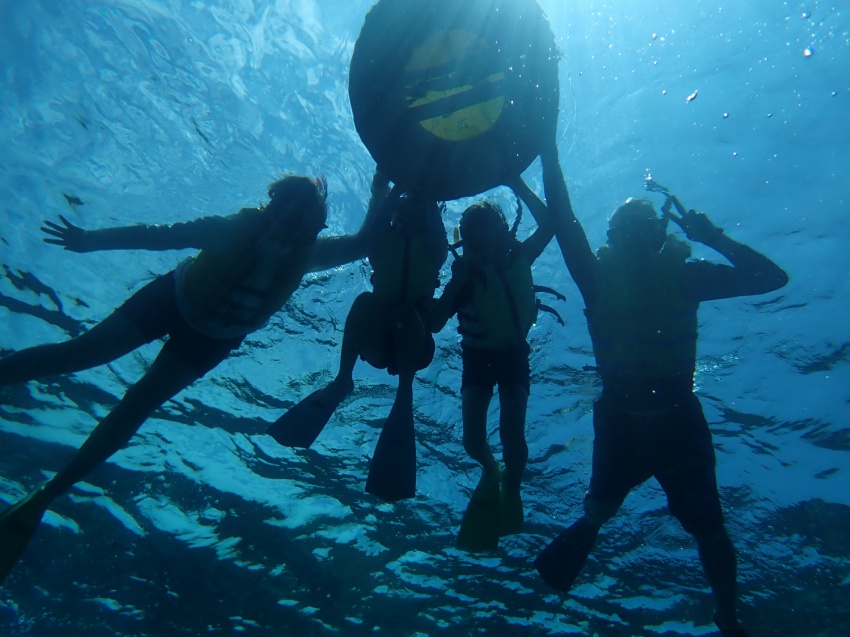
17,526
392,472
493,512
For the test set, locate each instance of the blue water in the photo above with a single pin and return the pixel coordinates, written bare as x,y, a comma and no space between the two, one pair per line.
162,111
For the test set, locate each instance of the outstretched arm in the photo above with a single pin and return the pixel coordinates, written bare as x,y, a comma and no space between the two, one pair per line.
207,232
331,252
534,245
753,273
579,257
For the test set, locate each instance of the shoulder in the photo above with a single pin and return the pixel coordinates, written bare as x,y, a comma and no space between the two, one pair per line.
247,216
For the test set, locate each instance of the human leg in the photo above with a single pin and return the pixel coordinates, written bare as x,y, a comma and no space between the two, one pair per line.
392,474
687,476
166,377
475,401
110,339
513,406
352,335
300,425
409,336
481,523
513,403
148,314
617,467
365,335
717,556
479,529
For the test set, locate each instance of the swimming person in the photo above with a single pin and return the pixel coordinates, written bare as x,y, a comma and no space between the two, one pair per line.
385,328
492,293
641,295
249,265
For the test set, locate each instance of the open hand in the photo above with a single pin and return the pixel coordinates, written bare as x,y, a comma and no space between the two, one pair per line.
697,225
67,235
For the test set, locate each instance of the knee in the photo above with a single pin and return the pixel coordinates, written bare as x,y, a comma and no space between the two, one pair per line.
515,449
364,301
362,311
598,512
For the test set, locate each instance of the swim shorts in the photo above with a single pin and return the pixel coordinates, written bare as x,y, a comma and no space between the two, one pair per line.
502,366
672,445
153,309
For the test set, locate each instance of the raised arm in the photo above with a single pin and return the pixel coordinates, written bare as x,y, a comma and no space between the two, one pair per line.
578,256
331,252
207,232
534,245
752,272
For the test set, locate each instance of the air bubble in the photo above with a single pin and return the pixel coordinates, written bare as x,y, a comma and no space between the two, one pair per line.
808,52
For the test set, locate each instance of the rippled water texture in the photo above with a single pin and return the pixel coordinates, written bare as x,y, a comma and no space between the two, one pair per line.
159,111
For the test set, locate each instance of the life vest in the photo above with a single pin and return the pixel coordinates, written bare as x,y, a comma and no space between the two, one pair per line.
235,291
404,269
503,306
640,323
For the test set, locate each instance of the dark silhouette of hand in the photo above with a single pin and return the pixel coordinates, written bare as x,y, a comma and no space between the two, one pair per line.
67,235
697,226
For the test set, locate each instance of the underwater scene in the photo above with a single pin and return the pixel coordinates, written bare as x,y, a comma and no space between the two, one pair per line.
373,520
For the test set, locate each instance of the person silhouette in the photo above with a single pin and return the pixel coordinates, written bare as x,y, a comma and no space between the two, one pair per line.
641,294
492,293
385,328
248,267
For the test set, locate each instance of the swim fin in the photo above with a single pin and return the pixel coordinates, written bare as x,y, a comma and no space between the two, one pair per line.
17,526
392,473
730,631
301,425
512,517
560,563
480,526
